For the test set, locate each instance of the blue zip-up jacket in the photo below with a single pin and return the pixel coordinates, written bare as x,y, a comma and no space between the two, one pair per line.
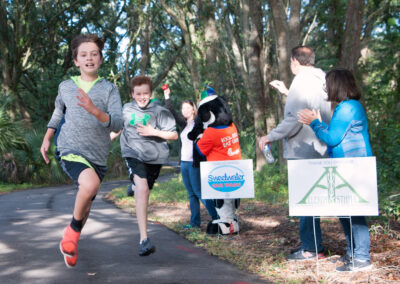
347,133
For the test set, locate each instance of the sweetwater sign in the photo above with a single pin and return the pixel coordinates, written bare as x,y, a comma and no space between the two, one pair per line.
333,187
227,179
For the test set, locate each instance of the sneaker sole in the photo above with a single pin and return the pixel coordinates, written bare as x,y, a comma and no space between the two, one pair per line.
66,263
310,258
369,267
150,251
64,253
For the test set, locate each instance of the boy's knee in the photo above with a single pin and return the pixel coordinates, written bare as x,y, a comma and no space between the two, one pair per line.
142,191
89,187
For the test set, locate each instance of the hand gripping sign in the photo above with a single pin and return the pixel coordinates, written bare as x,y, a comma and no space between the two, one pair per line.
227,179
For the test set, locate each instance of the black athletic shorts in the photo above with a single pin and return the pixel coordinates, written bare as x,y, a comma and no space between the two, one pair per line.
73,165
143,170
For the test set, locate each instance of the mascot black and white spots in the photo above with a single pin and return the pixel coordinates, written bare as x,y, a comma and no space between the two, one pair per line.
216,139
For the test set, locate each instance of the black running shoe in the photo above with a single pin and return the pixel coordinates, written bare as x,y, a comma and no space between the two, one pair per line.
146,248
130,191
304,255
356,265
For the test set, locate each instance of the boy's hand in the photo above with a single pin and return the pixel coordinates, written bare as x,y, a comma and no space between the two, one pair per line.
44,149
146,130
86,102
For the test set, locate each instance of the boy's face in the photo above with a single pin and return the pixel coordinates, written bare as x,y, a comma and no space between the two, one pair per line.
141,94
88,59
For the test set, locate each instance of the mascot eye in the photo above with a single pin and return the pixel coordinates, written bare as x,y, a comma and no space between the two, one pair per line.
211,120
205,116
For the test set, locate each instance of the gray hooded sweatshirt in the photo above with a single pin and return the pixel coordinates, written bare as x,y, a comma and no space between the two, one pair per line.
148,149
306,91
82,133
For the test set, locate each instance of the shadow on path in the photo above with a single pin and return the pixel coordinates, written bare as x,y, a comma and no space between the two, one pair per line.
32,223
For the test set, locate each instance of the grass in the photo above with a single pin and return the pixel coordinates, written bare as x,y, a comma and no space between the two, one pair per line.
4,188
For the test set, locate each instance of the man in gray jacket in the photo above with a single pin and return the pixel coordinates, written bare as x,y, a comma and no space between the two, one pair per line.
306,91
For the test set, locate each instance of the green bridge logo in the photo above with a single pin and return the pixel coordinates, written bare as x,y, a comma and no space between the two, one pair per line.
335,186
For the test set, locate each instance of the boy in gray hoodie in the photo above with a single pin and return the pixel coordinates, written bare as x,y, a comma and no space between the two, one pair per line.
91,107
147,127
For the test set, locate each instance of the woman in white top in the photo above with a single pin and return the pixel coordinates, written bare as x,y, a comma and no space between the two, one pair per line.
190,174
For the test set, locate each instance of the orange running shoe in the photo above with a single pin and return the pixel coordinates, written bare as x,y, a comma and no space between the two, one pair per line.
69,243
70,261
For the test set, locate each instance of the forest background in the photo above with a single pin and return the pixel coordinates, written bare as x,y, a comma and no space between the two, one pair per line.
236,46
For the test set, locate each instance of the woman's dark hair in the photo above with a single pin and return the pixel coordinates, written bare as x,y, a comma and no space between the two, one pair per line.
341,86
192,104
78,40
141,80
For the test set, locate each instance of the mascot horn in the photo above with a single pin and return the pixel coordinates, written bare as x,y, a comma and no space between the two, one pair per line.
216,139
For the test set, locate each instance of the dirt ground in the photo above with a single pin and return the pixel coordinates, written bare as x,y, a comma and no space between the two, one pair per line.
268,234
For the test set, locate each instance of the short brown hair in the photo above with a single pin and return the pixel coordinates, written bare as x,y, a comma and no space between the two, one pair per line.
78,40
304,54
341,85
141,80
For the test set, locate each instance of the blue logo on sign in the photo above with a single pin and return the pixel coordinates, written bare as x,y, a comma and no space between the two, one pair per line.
226,178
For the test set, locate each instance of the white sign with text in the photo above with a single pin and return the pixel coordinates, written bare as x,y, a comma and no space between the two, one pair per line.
227,179
333,187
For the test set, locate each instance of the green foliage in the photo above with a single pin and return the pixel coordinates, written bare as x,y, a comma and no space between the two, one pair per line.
11,132
248,143
381,97
270,184
170,191
391,206
115,163
27,165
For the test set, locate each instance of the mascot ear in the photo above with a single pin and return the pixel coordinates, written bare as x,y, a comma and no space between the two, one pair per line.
210,121
197,129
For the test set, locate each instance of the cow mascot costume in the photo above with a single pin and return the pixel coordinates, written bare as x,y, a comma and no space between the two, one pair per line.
216,139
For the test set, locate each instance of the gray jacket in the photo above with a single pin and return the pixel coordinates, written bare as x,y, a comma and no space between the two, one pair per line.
148,149
82,133
306,91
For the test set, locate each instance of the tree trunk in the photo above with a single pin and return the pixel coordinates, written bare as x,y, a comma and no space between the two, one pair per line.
351,42
179,17
210,42
281,31
145,40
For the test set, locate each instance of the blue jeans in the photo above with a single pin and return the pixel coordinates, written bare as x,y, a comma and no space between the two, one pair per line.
307,234
360,236
191,180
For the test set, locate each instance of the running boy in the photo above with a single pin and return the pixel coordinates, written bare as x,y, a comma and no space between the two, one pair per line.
147,126
92,109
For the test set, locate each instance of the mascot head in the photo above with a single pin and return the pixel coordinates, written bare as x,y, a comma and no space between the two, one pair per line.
213,111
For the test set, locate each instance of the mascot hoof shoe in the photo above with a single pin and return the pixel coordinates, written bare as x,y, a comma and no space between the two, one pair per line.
217,227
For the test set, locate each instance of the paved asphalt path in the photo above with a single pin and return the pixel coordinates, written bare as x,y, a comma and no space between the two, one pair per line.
32,223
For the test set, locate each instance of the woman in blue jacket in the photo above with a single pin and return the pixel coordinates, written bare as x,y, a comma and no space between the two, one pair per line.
346,136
